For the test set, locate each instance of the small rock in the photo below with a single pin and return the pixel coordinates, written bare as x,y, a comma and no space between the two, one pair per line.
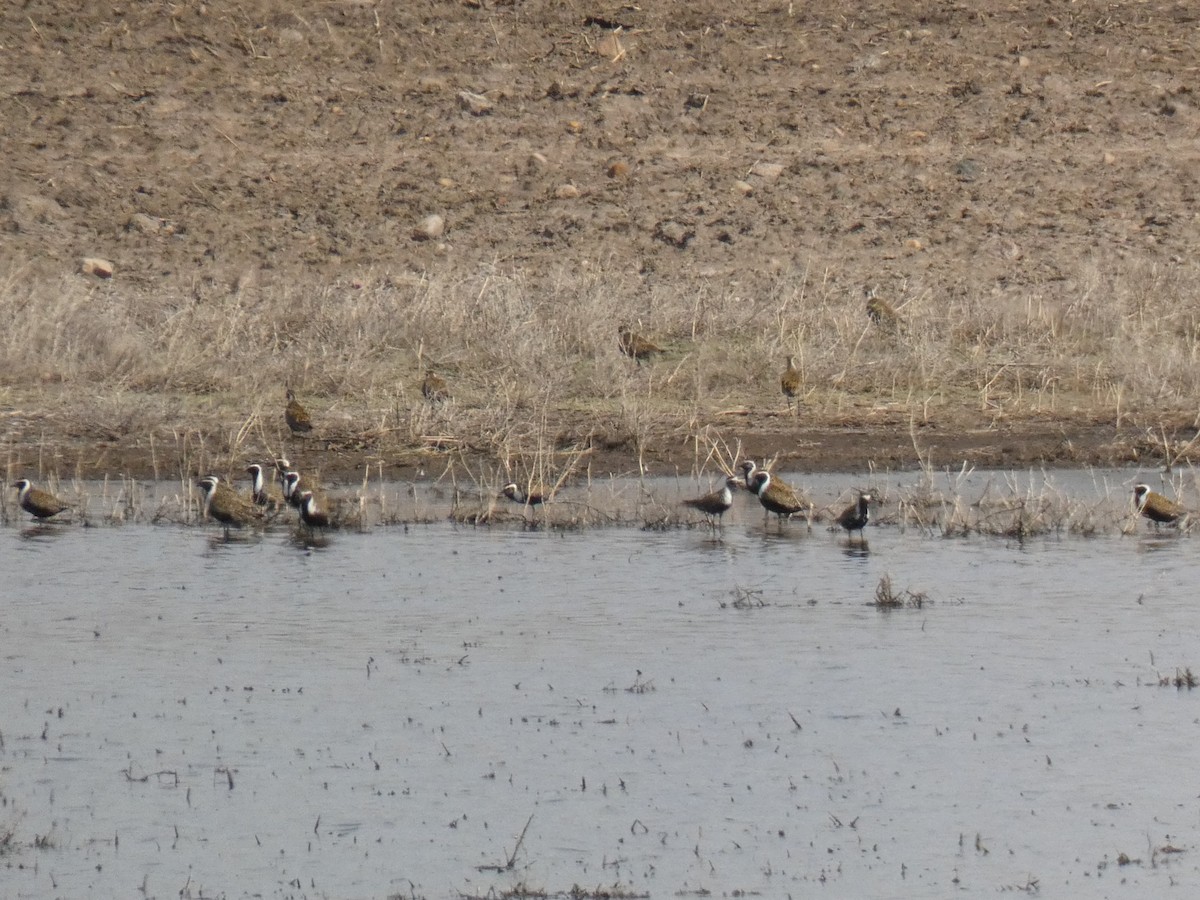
674,233
743,187
475,104
149,224
611,47
766,170
94,265
1109,157
619,169
566,192
536,161
968,169
429,228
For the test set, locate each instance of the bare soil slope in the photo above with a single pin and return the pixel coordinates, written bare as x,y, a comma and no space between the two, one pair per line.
929,148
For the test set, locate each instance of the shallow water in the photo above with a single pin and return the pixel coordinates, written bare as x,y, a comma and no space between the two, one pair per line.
383,715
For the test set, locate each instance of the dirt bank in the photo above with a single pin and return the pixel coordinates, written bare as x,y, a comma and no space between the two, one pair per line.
971,152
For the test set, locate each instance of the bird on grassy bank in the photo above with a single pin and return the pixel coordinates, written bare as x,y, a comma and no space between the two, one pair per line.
714,505
880,312
789,384
776,496
635,346
38,503
535,496
296,416
226,506
434,388
1155,507
856,516
261,492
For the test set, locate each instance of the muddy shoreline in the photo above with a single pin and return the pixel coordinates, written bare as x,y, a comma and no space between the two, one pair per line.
848,447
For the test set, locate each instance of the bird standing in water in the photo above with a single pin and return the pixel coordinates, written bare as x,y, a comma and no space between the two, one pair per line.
714,505
226,506
1157,508
777,496
535,496
38,503
262,492
311,514
856,516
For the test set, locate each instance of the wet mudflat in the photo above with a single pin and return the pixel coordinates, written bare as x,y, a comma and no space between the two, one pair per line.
441,710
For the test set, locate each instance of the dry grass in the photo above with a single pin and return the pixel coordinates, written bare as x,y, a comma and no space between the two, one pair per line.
525,365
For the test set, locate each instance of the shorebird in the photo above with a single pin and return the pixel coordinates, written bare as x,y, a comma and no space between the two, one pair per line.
282,466
881,312
717,503
296,416
434,389
294,487
293,491
310,513
789,383
262,493
776,496
635,346
856,516
291,483
1155,507
225,505
534,497
38,503
749,467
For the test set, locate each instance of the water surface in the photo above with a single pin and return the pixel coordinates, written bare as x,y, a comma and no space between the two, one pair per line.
385,714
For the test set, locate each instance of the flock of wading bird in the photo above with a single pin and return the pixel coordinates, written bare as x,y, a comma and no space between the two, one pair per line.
265,500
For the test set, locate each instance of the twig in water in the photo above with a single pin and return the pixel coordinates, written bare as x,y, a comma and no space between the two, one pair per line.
512,857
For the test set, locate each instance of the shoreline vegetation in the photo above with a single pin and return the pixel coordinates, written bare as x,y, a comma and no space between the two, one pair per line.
976,248
107,381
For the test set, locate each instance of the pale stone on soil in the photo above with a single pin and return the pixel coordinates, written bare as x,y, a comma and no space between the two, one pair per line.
566,192
430,228
94,265
743,187
611,47
766,170
150,224
475,104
